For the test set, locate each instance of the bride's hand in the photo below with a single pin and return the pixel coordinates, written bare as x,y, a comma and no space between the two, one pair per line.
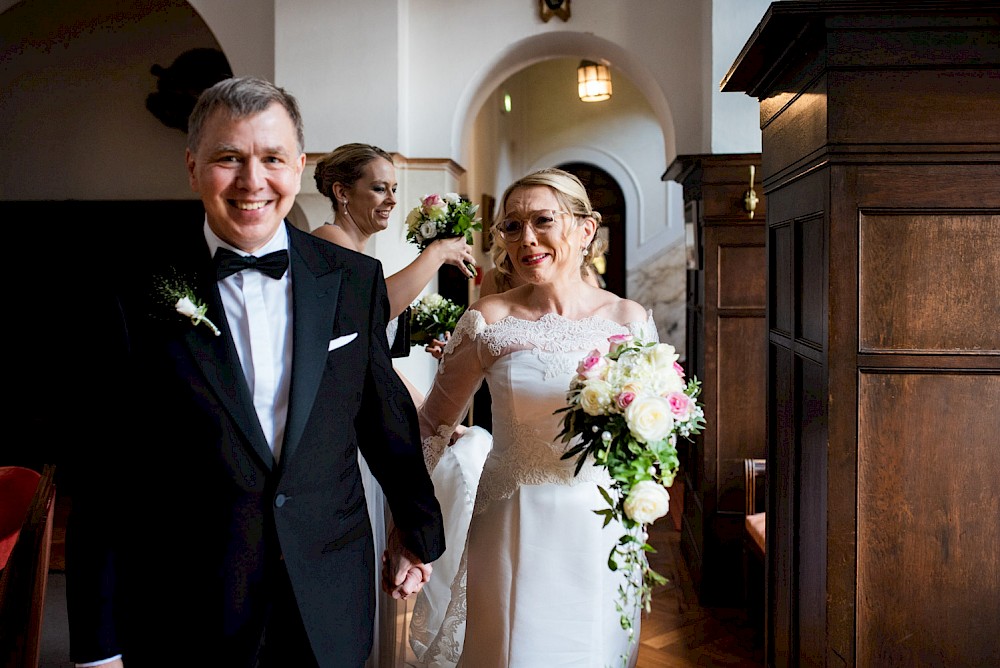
403,573
455,252
436,347
457,434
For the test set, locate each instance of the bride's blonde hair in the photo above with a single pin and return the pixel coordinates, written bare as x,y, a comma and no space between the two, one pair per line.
572,197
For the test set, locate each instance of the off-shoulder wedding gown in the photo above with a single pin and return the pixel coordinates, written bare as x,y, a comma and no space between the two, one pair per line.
534,588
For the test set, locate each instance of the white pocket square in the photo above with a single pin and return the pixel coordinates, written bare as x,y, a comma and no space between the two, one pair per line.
341,341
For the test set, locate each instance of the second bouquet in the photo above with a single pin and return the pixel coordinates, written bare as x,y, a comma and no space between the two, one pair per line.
431,317
442,217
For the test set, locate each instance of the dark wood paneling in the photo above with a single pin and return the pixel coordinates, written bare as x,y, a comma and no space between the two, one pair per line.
810,283
892,114
881,159
782,485
780,285
742,275
741,407
810,505
928,529
915,295
726,348
799,134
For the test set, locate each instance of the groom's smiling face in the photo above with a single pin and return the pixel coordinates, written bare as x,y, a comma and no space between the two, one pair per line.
247,172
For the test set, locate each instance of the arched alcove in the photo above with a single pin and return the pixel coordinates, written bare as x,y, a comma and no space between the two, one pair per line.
533,49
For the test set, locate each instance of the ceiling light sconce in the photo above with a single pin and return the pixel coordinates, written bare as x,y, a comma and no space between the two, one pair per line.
594,81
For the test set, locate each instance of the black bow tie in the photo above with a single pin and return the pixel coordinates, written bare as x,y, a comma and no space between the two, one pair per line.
228,263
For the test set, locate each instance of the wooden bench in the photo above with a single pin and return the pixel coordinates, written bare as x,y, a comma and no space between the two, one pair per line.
754,532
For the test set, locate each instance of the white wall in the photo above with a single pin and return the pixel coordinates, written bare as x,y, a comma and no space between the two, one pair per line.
340,59
75,78
735,116
245,30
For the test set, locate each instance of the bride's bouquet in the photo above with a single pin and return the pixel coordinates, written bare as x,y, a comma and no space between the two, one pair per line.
442,217
627,407
431,316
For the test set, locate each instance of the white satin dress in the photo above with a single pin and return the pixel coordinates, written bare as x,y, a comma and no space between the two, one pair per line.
534,588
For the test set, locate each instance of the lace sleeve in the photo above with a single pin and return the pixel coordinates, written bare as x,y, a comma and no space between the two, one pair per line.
645,330
459,375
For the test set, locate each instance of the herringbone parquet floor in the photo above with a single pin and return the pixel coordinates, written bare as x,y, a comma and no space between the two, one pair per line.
678,632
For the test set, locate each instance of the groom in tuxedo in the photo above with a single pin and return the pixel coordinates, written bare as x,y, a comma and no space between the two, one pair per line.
219,519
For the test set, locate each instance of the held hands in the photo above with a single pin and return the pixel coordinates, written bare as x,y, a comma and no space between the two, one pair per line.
403,573
456,252
436,347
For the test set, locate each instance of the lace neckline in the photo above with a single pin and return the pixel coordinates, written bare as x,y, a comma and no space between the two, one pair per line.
549,317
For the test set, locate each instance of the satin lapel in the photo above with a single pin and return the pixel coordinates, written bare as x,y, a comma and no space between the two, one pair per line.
316,292
218,360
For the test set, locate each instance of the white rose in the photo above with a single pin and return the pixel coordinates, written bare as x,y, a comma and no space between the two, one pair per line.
647,502
451,197
428,230
595,397
660,360
186,307
433,300
662,355
649,418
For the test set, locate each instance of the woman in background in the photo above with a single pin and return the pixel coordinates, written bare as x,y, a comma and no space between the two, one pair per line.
360,181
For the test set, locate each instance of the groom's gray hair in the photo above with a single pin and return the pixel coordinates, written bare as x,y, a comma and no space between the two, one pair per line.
241,97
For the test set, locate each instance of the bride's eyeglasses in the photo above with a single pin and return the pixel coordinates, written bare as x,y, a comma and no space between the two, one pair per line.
546,221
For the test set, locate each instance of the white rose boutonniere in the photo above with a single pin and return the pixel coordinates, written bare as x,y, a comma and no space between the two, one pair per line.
176,293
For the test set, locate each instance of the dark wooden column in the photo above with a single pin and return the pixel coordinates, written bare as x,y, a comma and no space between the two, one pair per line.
726,349
881,161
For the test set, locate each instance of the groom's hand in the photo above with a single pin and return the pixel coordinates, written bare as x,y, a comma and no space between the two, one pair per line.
403,573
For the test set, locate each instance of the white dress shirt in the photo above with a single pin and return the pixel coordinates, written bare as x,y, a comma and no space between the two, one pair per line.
259,311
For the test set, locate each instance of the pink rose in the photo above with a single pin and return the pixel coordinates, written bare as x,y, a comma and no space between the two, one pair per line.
679,369
680,405
624,399
618,341
434,206
592,366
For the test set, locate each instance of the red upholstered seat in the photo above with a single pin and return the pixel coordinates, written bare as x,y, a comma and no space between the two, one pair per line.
17,486
26,565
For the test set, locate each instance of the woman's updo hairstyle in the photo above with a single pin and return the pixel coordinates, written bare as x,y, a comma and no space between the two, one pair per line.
572,197
345,164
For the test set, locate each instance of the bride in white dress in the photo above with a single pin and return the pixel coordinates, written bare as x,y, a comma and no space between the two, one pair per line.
534,587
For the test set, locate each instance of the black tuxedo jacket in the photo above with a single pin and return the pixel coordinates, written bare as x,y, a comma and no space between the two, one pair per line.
180,513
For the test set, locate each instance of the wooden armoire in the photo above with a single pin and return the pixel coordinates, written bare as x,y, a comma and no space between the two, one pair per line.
726,349
881,164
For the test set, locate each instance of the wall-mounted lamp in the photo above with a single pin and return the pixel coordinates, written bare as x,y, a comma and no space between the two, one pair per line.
594,81
750,197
